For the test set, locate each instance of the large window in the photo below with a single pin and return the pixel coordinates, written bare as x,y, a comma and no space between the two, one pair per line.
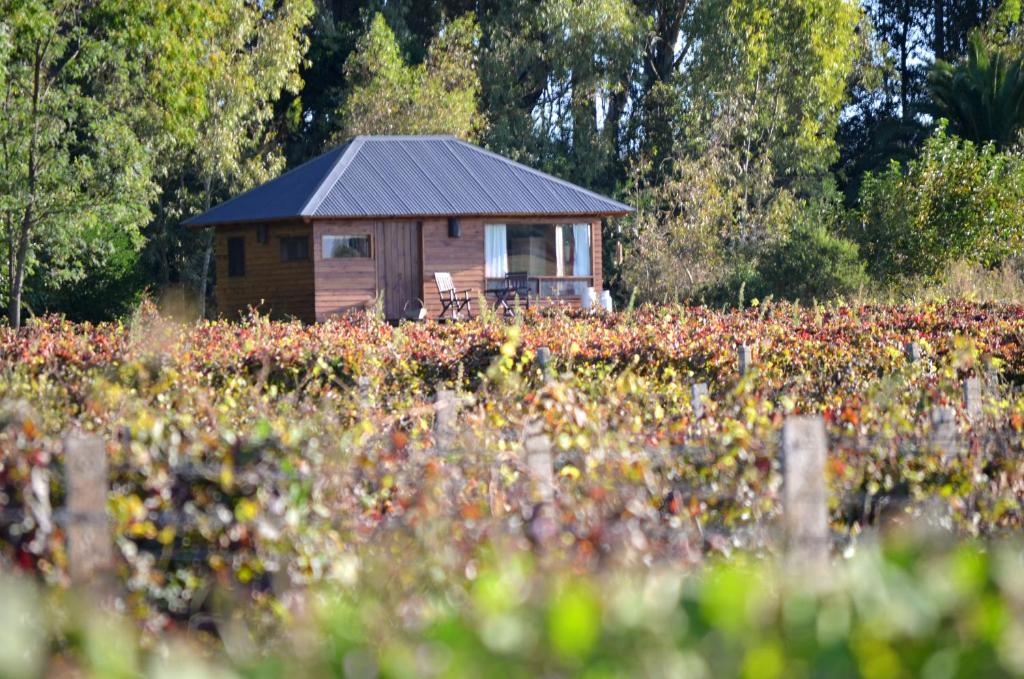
236,257
341,247
532,248
551,254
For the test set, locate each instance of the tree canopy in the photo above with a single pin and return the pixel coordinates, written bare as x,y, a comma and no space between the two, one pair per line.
390,96
728,123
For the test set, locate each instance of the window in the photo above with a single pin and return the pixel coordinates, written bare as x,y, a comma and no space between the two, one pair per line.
546,252
236,257
341,247
294,248
533,248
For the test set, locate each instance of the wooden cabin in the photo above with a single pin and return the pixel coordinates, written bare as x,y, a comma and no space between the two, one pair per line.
378,216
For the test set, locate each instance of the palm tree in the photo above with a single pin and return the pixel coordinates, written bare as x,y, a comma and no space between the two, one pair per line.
982,96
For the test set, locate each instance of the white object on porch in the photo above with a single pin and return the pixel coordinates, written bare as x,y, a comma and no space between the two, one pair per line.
581,249
495,251
606,300
588,300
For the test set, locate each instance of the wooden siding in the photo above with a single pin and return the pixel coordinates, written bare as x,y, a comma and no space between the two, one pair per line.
347,283
465,259
462,257
344,284
280,289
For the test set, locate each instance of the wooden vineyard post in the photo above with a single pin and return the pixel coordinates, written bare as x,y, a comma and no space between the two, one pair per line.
745,358
943,432
992,380
804,495
90,546
363,387
541,526
912,351
972,397
698,395
446,416
544,362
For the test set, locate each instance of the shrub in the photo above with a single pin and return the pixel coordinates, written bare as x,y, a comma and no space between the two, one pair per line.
957,201
810,262
813,263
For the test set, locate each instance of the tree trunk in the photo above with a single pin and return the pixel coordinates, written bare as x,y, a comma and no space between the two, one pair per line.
18,277
904,73
204,276
940,29
21,254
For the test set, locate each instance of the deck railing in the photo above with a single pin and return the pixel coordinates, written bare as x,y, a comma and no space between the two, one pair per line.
554,287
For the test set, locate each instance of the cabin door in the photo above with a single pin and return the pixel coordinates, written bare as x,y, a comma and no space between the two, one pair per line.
400,268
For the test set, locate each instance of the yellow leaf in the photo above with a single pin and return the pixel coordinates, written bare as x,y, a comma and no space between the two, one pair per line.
569,471
246,510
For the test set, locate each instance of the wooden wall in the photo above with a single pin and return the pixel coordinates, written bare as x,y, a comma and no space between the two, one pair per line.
317,289
285,288
465,258
462,257
343,284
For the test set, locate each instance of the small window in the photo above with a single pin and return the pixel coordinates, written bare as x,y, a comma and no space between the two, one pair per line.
294,248
236,257
340,247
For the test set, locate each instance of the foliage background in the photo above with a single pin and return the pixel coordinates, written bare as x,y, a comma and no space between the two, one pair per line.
727,124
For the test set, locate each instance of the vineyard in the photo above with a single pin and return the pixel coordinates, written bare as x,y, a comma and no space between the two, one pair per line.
355,498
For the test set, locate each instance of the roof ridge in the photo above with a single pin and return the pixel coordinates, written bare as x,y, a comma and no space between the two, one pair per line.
312,204
544,175
404,137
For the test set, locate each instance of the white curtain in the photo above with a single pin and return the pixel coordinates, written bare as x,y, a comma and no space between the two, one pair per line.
559,251
496,251
581,249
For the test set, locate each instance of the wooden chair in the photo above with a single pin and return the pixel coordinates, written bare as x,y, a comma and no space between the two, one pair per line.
517,284
453,300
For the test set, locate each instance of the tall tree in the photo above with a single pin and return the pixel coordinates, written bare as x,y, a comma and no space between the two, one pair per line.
982,96
387,95
886,117
758,106
333,33
71,161
555,80
223,138
667,46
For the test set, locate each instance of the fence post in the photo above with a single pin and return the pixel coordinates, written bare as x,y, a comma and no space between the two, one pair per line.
992,379
539,463
972,397
745,358
38,502
363,387
698,395
90,546
943,434
804,495
446,417
544,362
912,351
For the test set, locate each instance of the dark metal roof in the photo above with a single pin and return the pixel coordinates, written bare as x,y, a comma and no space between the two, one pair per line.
409,177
